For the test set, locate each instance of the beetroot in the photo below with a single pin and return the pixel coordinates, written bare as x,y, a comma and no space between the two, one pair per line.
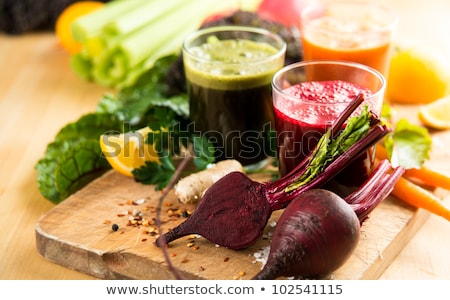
316,234
236,218
234,211
319,230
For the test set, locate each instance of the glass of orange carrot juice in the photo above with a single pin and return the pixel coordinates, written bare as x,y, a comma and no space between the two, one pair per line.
351,31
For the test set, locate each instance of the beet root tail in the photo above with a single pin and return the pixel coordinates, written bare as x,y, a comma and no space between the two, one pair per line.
172,235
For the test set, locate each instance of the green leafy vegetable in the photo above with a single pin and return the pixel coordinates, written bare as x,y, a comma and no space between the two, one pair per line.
156,173
167,145
408,145
204,152
329,148
74,158
137,104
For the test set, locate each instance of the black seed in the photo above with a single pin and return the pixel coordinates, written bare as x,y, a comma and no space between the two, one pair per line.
115,227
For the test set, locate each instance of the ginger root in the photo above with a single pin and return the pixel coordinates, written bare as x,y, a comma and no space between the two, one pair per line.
192,187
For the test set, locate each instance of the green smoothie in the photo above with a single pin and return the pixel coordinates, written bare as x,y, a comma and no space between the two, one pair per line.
229,85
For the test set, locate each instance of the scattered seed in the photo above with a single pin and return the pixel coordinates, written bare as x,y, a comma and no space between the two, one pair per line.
226,259
115,227
138,201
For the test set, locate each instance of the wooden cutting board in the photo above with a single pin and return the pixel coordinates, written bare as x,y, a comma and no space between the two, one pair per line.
78,235
78,232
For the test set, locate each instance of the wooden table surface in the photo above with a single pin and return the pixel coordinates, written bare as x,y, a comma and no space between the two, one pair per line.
39,94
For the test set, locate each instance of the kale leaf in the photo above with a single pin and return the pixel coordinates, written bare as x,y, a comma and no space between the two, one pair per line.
75,158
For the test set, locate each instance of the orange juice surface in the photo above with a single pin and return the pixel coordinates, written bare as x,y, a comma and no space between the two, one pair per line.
337,39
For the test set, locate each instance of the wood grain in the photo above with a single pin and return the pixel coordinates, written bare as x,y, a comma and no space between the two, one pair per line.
77,234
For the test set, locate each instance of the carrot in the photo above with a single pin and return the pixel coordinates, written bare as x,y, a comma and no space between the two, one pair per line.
429,177
381,152
63,24
424,174
419,197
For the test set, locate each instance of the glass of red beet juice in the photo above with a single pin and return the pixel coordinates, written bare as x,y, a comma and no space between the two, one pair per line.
308,96
229,71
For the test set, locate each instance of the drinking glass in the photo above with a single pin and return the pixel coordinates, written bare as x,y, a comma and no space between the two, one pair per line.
309,96
229,71
352,31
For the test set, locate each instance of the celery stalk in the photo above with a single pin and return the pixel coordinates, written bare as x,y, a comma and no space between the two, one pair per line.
133,20
94,46
93,23
171,47
141,44
81,66
122,41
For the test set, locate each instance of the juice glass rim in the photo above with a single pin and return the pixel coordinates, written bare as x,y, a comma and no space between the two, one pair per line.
276,88
389,26
255,30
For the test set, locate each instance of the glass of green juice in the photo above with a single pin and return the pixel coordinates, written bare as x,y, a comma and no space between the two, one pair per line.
229,70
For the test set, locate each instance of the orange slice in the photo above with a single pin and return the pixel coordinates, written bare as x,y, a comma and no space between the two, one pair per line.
128,151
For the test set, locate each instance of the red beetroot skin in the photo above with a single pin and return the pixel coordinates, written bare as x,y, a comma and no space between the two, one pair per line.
315,235
225,221
234,211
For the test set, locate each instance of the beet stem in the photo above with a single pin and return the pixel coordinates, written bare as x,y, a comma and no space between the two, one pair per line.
376,195
374,179
278,198
349,109
345,114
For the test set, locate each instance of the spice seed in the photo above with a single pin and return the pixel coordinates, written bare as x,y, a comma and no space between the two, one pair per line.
115,227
